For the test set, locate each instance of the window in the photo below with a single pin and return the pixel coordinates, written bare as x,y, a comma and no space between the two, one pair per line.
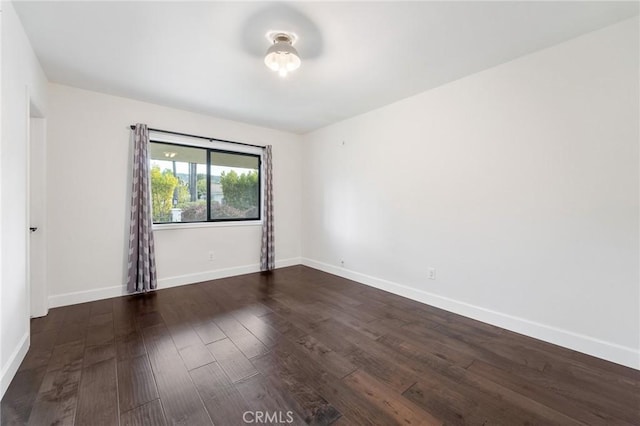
195,184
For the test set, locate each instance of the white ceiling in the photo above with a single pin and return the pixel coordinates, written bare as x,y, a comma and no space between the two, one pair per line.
207,56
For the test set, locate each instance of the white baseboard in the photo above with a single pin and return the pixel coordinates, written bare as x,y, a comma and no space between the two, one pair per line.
579,342
221,273
11,367
91,295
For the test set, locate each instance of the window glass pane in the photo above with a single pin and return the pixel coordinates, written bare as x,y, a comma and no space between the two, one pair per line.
178,183
235,186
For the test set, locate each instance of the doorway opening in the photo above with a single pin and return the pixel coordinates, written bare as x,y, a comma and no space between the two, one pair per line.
36,214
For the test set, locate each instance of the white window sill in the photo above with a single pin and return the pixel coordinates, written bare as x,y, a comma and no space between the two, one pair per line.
167,226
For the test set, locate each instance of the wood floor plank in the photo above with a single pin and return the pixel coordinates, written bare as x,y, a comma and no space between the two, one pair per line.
130,345
232,360
307,323
313,408
431,353
72,332
136,384
145,415
372,329
401,410
97,395
50,322
333,362
180,399
450,405
395,375
97,353
101,319
17,402
330,333
256,326
100,334
580,372
240,336
193,352
343,421
101,307
386,310
125,312
77,314
195,356
39,353
502,348
478,402
477,351
342,301
594,382
348,402
57,398
282,325
264,398
209,332
149,319
221,398
370,356
68,355
548,392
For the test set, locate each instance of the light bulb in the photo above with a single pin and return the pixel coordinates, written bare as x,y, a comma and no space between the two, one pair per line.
272,61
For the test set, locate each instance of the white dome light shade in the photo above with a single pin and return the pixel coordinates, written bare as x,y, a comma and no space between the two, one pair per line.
282,57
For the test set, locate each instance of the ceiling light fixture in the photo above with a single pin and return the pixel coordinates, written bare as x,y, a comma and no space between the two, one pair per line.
282,56
169,154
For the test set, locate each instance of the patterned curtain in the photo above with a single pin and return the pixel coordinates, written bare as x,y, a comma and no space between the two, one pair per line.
142,260
267,252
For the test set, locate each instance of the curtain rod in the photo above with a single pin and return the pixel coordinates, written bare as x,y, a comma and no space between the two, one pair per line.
199,137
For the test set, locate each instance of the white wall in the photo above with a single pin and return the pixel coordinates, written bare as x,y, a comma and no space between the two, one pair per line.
23,82
519,184
88,162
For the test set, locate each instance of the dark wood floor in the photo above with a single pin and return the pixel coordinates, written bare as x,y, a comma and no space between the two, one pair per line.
301,346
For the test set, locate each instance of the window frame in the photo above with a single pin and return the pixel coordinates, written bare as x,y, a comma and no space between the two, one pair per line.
210,147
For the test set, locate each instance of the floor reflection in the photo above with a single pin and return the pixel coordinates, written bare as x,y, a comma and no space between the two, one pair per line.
267,285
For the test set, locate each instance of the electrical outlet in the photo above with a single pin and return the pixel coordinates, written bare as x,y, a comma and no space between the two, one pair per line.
212,256
431,273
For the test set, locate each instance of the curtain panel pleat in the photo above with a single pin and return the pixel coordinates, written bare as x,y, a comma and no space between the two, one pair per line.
267,252
142,264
